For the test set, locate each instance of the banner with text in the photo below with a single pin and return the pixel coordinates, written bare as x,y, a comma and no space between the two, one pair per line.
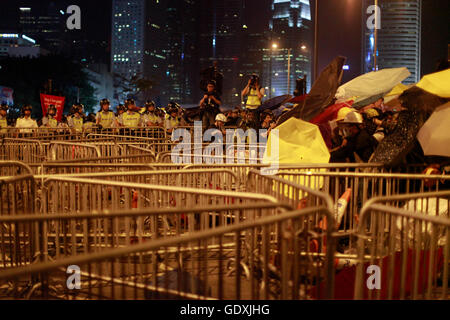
58,102
6,95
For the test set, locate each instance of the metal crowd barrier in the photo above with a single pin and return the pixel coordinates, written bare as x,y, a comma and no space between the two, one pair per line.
214,179
25,150
14,168
186,267
401,255
30,238
362,187
17,195
80,168
69,195
60,150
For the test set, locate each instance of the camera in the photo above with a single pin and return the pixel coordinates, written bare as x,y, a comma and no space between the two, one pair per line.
253,79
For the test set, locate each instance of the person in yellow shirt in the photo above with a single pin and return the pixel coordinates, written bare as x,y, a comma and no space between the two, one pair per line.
50,120
150,118
254,94
76,121
3,118
105,118
131,118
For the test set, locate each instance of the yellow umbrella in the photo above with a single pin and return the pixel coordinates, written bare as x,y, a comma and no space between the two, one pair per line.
395,92
298,142
437,83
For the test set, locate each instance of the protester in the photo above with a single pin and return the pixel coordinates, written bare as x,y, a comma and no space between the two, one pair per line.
234,118
356,140
105,118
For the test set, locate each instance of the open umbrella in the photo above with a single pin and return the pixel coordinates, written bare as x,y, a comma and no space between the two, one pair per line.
437,83
434,136
275,102
372,84
321,94
299,142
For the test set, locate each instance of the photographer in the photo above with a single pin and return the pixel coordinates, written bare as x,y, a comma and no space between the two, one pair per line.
210,105
253,92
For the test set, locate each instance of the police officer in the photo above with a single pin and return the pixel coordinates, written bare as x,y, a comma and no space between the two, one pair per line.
131,118
150,118
172,119
76,120
105,118
25,121
50,120
3,118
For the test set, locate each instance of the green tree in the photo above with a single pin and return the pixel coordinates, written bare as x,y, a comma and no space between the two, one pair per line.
30,76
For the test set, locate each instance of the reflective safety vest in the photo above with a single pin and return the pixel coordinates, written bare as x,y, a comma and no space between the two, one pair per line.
77,124
173,122
131,120
52,122
253,101
3,124
106,118
152,118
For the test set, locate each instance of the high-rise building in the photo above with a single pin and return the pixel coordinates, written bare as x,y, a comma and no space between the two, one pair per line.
399,38
288,55
127,54
221,40
156,41
46,24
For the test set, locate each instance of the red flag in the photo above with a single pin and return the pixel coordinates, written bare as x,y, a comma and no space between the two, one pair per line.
58,102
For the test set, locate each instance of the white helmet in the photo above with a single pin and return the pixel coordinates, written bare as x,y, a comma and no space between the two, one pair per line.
353,117
221,117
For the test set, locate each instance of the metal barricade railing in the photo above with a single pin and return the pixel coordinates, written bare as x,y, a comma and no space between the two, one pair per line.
281,267
17,195
69,195
60,150
24,150
214,179
30,238
80,168
298,196
401,255
14,168
361,187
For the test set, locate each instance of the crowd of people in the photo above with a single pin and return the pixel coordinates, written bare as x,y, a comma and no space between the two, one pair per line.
353,136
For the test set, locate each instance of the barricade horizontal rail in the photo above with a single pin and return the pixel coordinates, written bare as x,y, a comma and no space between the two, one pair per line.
407,252
79,168
24,150
60,150
69,195
14,168
354,189
215,179
183,267
29,238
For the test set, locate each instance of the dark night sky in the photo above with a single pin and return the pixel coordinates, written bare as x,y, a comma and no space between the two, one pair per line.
339,30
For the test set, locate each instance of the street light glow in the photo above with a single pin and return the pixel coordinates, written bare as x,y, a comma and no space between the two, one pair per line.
274,45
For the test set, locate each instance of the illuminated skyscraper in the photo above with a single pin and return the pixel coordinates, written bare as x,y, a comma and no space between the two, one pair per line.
291,31
127,54
399,39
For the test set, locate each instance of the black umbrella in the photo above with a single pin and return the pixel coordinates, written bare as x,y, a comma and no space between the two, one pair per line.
321,95
420,104
275,102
